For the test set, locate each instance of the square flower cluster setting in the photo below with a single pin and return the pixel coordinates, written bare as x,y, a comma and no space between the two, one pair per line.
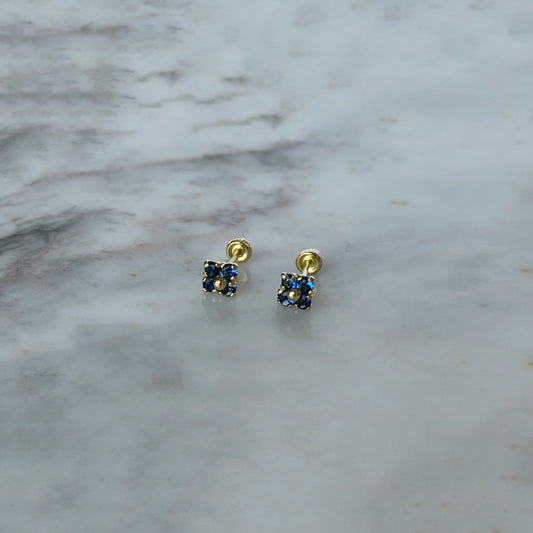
296,290
220,278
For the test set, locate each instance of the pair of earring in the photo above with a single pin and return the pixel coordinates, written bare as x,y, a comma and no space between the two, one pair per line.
295,289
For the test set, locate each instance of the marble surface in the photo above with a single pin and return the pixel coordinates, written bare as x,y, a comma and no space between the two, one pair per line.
137,138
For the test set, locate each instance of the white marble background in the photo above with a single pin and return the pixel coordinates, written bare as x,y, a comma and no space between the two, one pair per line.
138,137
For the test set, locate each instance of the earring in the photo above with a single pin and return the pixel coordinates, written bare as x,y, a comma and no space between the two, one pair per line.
222,277
298,289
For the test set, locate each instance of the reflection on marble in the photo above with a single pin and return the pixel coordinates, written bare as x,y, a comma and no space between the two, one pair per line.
137,138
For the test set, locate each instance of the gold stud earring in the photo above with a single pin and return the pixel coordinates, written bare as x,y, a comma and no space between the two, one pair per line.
297,290
221,277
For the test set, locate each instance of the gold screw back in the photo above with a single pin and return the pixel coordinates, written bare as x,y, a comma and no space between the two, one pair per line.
239,250
309,261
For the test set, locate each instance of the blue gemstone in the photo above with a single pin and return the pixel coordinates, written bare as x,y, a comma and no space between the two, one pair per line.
211,269
290,282
229,271
282,298
307,285
228,290
208,284
304,303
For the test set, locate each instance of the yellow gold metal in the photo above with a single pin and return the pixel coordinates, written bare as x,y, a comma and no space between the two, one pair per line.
220,284
294,295
309,261
238,250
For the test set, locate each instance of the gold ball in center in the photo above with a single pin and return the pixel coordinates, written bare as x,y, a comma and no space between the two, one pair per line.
294,295
220,284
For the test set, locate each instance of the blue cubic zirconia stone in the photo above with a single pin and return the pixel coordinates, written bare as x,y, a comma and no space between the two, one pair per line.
229,271
307,285
290,282
304,303
282,298
211,269
208,284
229,290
